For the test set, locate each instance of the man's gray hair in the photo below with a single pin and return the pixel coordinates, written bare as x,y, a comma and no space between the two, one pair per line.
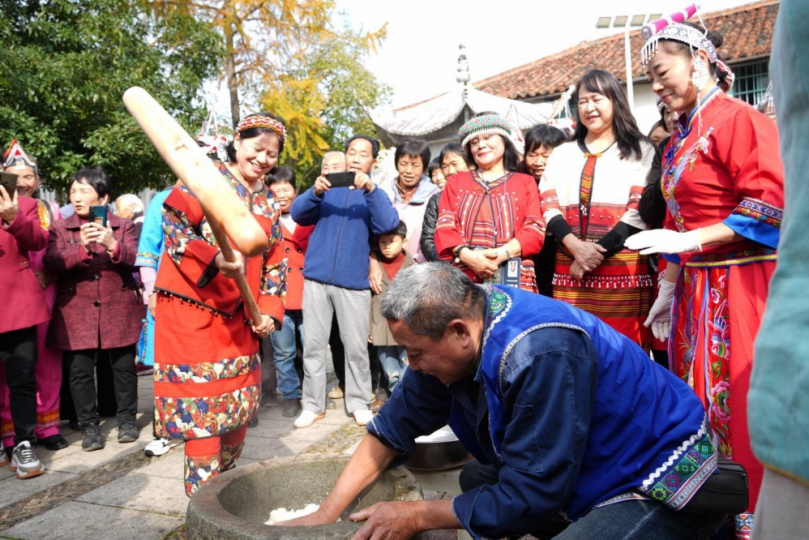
429,296
127,200
327,155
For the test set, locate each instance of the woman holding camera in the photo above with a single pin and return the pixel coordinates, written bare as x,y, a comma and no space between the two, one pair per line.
207,369
98,311
490,215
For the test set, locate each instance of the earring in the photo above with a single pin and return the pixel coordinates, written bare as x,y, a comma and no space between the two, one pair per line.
700,75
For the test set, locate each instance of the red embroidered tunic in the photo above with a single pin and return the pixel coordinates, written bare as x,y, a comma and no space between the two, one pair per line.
207,371
723,165
472,212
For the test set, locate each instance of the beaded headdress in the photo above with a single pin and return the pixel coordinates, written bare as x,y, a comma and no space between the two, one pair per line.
482,125
682,33
15,156
258,121
669,28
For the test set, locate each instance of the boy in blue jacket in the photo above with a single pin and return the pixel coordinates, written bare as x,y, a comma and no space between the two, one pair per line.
336,278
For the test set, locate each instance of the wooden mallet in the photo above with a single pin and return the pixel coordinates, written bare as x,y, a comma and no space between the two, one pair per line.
227,216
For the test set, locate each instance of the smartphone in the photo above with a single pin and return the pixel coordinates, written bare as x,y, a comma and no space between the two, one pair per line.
341,179
98,214
9,182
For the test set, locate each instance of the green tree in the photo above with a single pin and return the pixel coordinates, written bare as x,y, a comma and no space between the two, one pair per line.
325,100
287,57
64,67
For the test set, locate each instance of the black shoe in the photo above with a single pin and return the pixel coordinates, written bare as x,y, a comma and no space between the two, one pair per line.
292,408
127,432
74,425
54,442
92,440
253,422
269,400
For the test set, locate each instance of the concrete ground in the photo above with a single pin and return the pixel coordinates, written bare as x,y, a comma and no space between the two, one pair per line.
119,493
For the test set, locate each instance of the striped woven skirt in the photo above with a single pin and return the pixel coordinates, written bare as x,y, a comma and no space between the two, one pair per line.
619,292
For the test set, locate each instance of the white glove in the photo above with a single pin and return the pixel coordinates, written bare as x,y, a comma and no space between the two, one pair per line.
664,241
660,314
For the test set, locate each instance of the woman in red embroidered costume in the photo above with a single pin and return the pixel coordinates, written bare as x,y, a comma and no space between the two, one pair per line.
723,184
207,370
590,194
490,215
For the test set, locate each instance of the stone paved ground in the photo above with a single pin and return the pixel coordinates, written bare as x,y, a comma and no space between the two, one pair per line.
119,493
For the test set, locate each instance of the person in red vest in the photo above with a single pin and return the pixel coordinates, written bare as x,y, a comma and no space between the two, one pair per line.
296,239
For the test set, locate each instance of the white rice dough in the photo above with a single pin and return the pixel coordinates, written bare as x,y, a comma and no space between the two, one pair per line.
282,514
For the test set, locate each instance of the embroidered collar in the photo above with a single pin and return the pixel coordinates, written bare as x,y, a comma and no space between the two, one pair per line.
684,129
494,183
587,153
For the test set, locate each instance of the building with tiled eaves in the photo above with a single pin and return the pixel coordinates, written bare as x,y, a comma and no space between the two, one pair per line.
747,32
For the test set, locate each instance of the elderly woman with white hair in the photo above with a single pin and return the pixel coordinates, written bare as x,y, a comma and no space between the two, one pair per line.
129,206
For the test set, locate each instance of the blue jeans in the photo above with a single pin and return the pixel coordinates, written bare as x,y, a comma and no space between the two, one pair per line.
392,359
283,343
628,520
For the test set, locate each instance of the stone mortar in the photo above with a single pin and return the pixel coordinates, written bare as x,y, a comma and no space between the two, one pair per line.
235,505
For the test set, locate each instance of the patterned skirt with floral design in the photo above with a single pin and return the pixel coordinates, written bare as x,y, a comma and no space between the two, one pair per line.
207,371
717,311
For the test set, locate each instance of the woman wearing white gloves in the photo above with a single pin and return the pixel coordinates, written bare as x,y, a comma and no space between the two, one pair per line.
723,184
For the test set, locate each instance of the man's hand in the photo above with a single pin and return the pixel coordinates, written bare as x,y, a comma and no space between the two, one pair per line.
152,303
230,270
363,181
8,206
321,185
375,275
483,266
388,520
266,327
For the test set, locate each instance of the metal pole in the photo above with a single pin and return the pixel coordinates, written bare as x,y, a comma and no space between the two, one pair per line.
630,91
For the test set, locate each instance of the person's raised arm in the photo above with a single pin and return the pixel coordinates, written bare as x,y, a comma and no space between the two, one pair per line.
305,209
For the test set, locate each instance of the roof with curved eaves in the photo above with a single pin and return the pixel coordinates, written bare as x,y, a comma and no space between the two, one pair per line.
747,32
429,116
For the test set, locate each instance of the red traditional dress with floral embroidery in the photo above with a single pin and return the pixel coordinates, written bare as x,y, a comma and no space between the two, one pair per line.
207,371
594,193
474,213
722,165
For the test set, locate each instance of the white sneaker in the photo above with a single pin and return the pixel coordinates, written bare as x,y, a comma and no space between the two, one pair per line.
362,417
307,418
25,462
336,393
3,456
159,446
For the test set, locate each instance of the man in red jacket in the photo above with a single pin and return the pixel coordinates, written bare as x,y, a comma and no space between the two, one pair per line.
296,240
23,309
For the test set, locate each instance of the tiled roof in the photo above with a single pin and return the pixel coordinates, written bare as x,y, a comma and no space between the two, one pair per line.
428,116
747,32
